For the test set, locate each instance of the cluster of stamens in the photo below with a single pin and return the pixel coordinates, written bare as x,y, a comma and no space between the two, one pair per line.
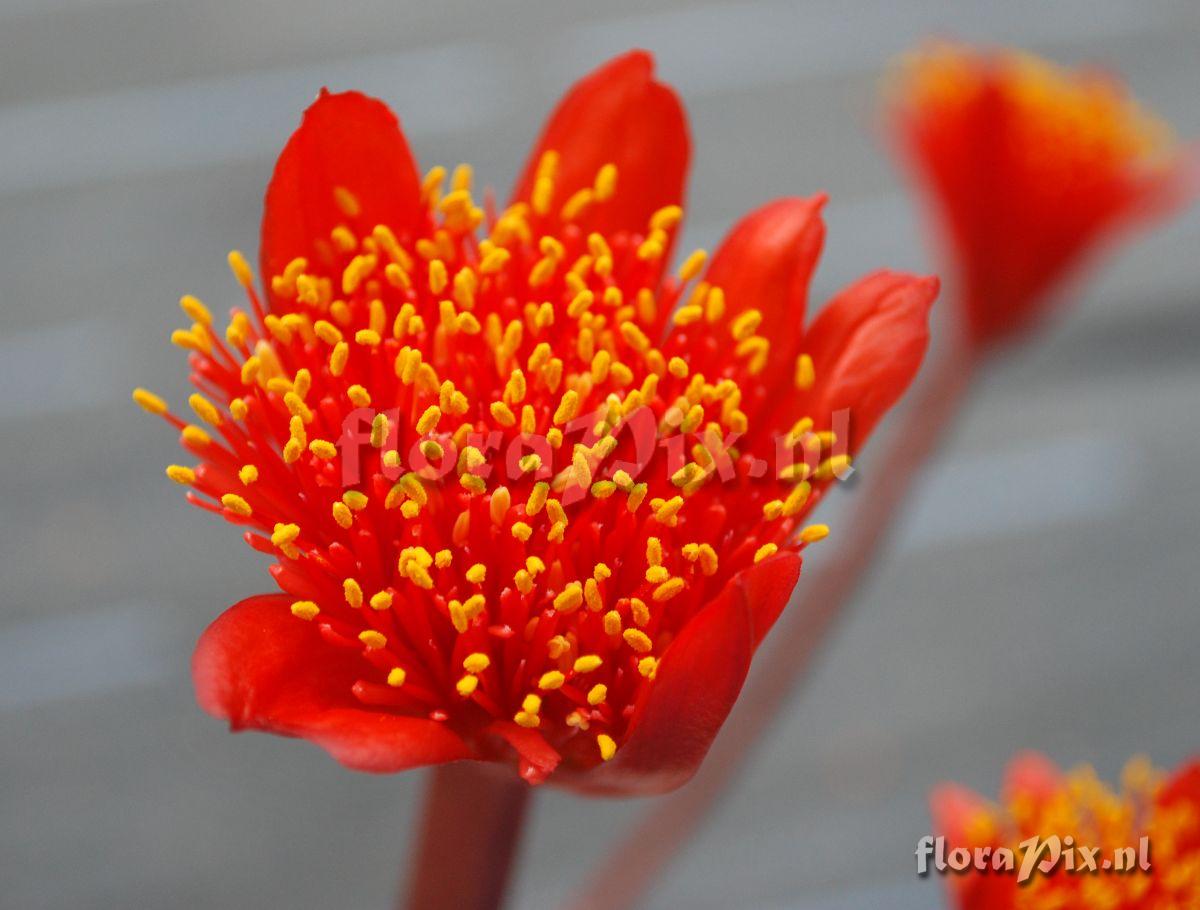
1085,813
506,469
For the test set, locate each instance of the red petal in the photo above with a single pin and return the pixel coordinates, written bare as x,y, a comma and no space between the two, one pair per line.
259,667
698,680
1183,786
867,345
1032,775
953,809
766,262
618,114
345,140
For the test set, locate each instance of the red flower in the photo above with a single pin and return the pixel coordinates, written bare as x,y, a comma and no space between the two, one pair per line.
1030,167
1040,801
522,491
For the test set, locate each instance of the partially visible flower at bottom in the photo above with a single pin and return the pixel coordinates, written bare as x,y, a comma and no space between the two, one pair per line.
497,567
1040,801
1029,167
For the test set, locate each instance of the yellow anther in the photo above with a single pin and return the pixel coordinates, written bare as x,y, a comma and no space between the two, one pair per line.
338,358
657,574
638,640
607,745
531,703
521,531
654,551
588,663
502,414
667,512
240,268
835,466
379,431
797,499
567,408
597,694
438,276
580,303
381,600
457,617
636,496
579,201
551,680
355,499
305,609
692,265
359,397
353,593
342,515
805,373
581,470
745,325
666,218
431,185
525,719
612,623
648,667
606,182
635,337
368,338
467,685
204,409
236,505
429,420
570,598
396,677
238,409
494,261
323,449
476,662
813,533
195,310
766,551
474,605
372,639
714,304
181,475
639,611
668,589
412,485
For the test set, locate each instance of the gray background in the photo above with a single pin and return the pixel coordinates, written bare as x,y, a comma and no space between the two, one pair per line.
1043,592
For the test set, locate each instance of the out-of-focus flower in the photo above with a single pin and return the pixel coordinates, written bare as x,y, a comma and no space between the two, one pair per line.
1040,801
1029,166
531,499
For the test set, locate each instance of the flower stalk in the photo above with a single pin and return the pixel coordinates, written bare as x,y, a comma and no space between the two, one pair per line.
469,840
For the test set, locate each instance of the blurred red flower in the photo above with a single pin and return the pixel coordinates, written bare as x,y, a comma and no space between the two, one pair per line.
1041,801
440,437
1029,167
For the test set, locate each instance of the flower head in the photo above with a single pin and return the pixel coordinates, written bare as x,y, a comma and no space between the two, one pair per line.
1040,801
1029,166
531,497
